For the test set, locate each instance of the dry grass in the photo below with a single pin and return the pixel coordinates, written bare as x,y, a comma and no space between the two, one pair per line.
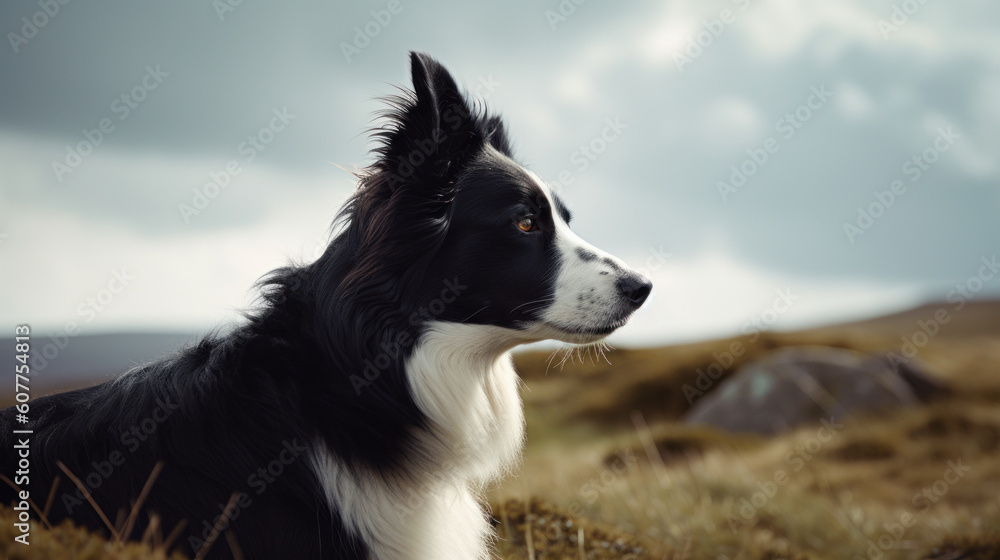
968,548
609,465
687,492
536,529
751,499
67,542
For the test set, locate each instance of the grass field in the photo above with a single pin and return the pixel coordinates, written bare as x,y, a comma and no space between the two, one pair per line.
883,486
609,472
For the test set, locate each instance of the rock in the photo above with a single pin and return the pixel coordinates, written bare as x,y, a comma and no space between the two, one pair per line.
802,385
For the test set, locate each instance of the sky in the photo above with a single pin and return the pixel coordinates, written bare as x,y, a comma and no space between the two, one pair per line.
777,163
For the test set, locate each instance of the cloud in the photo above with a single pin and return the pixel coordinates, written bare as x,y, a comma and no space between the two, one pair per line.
189,276
716,295
654,186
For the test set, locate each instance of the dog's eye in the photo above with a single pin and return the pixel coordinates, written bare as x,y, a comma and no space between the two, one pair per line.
526,224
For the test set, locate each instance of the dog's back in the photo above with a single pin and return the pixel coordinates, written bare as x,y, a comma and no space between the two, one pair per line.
225,434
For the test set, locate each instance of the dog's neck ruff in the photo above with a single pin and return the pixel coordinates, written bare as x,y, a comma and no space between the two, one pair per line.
462,378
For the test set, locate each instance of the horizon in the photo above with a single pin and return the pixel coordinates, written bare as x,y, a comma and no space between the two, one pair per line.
71,329
829,156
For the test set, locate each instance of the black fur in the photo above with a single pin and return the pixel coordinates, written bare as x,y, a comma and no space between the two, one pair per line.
306,366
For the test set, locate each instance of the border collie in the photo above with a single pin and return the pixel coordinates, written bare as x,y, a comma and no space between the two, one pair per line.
363,409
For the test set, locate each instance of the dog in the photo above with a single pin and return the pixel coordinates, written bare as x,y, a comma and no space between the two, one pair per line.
360,411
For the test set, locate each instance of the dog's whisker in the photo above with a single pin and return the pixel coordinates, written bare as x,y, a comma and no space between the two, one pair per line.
548,299
548,362
476,313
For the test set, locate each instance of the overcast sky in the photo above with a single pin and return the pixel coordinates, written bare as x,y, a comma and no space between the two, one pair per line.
736,139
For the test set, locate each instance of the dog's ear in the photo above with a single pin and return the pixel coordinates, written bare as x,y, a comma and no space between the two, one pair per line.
432,133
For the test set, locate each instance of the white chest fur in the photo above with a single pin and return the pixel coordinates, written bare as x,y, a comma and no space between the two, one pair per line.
463,380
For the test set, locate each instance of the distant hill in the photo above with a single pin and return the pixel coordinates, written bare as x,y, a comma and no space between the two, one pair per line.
976,317
87,359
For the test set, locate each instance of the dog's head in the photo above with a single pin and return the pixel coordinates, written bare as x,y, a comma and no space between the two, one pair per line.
447,221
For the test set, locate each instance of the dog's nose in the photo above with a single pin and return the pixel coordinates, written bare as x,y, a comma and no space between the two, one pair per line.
635,288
